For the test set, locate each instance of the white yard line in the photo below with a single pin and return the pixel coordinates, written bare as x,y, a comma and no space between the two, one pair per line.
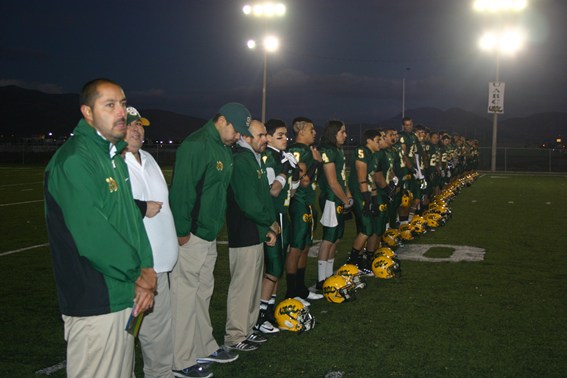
19,203
52,369
23,249
20,184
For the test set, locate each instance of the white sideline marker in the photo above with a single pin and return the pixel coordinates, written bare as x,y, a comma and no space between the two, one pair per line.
19,203
23,249
52,369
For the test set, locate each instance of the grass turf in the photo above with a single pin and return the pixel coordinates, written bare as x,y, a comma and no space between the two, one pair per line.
502,317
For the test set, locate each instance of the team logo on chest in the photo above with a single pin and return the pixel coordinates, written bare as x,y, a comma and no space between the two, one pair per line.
220,166
112,185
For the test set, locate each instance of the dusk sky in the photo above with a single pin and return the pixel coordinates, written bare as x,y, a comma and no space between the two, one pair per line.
338,59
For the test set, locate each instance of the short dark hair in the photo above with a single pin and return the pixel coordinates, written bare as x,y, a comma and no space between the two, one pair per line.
330,132
369,134
419,127
406,119
273,124
298,123
89,93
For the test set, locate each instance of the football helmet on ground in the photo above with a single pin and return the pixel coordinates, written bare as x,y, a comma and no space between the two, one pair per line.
386,268
338,289
292,315
353,274
391,238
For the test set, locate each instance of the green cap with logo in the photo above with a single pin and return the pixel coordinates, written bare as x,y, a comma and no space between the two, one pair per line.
238,116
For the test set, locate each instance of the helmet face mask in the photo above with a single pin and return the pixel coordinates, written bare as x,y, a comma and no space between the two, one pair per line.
338,289
292,315
352,274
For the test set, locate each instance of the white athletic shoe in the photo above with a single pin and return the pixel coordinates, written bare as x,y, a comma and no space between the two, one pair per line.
303,301
266,327
314,296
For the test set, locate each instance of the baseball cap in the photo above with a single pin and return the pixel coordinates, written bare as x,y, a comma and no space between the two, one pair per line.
134,115
238,116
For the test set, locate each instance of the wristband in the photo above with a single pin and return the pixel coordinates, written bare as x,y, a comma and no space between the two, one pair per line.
294,185
280,179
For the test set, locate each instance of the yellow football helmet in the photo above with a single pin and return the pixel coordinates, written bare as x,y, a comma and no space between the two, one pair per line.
406,232
407,199
352,274
292,315
385,268
391,238
386,251
337,289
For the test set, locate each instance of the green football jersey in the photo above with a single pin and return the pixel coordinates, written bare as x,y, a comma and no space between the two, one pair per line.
332,154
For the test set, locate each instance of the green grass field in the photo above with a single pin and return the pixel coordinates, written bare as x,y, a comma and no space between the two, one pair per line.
504,316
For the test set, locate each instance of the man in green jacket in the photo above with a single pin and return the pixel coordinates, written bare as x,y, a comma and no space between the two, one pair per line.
251,221
102,259
201,176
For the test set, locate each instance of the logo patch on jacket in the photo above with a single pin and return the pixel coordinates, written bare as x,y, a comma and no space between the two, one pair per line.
112,185
220,166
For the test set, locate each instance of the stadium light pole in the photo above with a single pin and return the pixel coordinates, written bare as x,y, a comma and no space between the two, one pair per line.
265,10
269,45
404,93
502,43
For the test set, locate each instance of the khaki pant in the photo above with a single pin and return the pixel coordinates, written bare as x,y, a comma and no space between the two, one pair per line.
155,333
243,302
192,284
98,346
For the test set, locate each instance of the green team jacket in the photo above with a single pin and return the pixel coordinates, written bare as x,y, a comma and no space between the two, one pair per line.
201,175
250,206
97,239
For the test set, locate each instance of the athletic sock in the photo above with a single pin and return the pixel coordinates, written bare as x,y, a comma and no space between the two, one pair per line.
272,299
354,253
321,269
291,279
300,288
330,268
263,305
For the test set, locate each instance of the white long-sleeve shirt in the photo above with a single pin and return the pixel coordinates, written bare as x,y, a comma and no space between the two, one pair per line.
148,184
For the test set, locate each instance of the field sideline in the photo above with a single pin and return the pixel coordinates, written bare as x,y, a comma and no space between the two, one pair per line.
503,316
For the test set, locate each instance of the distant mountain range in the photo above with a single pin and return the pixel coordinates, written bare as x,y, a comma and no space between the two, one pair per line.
25,113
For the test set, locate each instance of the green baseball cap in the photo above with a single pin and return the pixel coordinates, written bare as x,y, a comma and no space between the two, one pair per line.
238,116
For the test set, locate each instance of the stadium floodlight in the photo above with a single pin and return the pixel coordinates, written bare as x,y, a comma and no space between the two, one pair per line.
270,44
497,6
506,42
267,9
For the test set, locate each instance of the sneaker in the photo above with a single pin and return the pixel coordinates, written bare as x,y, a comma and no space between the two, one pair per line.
314,296
256,337
195,371
303,301
221,355
317,288
266,327
244,346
